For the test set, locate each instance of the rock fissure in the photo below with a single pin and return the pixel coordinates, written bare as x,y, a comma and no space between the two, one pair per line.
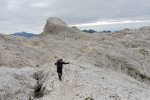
39,90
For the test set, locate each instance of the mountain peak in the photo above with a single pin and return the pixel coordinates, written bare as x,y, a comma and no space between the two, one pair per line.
54,26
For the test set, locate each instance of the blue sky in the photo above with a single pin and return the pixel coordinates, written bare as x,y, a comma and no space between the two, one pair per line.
31,15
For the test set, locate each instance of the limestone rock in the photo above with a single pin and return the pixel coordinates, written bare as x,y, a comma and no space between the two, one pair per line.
16,84
57,26
145,28
112,66
54,26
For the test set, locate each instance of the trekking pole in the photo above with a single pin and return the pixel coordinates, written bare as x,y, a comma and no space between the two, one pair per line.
69,64
75,64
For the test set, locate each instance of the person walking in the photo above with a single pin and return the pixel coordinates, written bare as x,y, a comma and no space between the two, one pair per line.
59,63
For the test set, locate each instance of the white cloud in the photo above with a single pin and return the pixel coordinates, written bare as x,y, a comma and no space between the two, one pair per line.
13,4
109,22
40,5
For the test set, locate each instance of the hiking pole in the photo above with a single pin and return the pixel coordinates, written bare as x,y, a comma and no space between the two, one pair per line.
75,64
69,64
78,65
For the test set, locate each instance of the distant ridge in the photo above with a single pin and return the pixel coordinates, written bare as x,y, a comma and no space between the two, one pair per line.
89,31
24,34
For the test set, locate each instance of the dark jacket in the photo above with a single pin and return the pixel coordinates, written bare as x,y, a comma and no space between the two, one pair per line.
60,65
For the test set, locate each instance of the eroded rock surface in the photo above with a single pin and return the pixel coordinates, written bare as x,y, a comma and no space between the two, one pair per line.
114,66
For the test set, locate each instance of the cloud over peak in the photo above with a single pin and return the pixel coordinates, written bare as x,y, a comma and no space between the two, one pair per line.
109,22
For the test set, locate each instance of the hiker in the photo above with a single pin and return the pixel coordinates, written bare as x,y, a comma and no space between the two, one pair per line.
59,65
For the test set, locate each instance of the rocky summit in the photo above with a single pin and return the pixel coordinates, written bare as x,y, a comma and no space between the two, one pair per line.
112,66
54,25
57,26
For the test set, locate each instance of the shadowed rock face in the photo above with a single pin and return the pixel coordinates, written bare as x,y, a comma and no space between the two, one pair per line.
112,66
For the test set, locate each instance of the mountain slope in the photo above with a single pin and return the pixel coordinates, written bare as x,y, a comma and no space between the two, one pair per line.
112,66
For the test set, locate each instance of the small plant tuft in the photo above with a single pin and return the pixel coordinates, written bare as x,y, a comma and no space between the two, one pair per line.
89,98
